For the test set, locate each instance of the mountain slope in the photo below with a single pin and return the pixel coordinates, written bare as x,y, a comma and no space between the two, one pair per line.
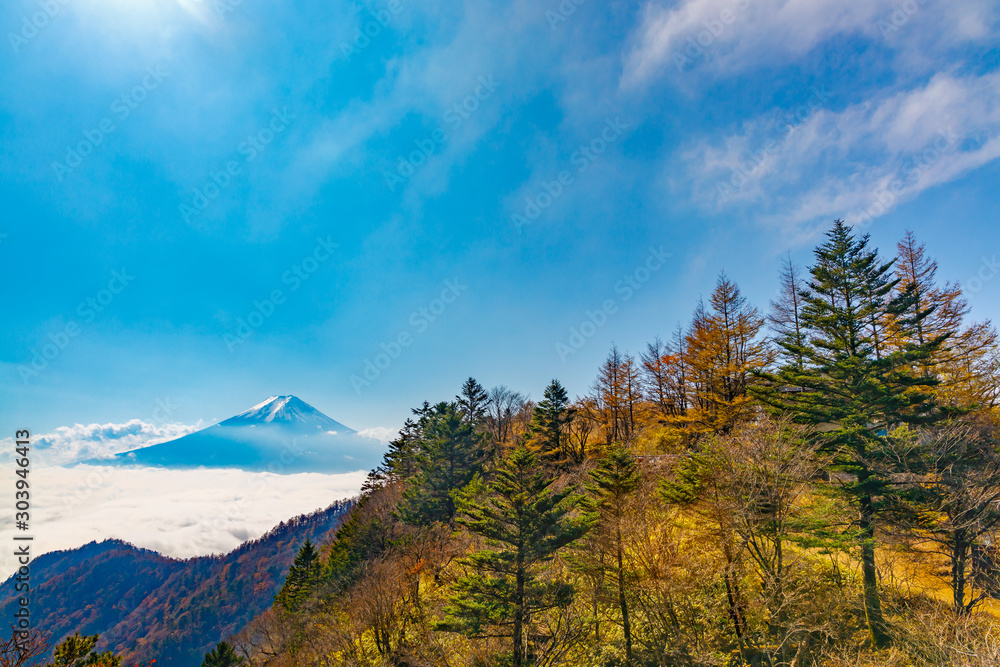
147,606
284,434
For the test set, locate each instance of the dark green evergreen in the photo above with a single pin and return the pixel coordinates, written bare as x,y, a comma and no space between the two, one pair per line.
303,576
472,401
853,385
450,452
367,534
399,463
78,651
525,523
223,655
550,427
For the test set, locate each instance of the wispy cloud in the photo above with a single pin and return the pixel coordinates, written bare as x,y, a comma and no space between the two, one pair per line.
732,36
856,163
736,34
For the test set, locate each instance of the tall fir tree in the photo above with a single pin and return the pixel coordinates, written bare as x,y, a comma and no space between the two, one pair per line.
550,428
303,576
399,461
451,452
524,523
854,386
473,401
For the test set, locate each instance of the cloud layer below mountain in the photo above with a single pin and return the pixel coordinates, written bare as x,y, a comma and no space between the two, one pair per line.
177,513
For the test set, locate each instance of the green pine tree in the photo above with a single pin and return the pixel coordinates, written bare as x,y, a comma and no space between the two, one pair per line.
525,523
616,478
450,452
78,651
399,460
303,575
368,533
472,401
549,429
852,385
223,655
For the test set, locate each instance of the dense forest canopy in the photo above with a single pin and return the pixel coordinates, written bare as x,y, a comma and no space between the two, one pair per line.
814,483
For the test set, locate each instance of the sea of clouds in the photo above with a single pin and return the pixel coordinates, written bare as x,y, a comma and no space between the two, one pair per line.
179,513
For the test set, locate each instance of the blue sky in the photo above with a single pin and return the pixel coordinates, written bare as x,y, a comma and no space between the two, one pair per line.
171,166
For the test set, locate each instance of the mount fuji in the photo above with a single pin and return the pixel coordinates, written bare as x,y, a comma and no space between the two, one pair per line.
284,434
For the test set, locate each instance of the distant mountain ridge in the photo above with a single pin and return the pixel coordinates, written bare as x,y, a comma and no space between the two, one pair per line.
283,434
147,606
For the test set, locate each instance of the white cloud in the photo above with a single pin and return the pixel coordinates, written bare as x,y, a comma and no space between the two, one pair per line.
82,442
736,35
381,433
177,513
857,163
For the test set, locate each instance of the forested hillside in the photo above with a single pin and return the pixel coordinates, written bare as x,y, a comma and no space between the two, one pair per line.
809,482
148,607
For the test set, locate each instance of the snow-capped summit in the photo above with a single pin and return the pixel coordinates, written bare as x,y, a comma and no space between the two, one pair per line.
289,410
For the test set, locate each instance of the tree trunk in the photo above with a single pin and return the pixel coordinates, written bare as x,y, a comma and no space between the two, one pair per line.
873,604
734,609
958,578
519,618
733,595
599,586
626,626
